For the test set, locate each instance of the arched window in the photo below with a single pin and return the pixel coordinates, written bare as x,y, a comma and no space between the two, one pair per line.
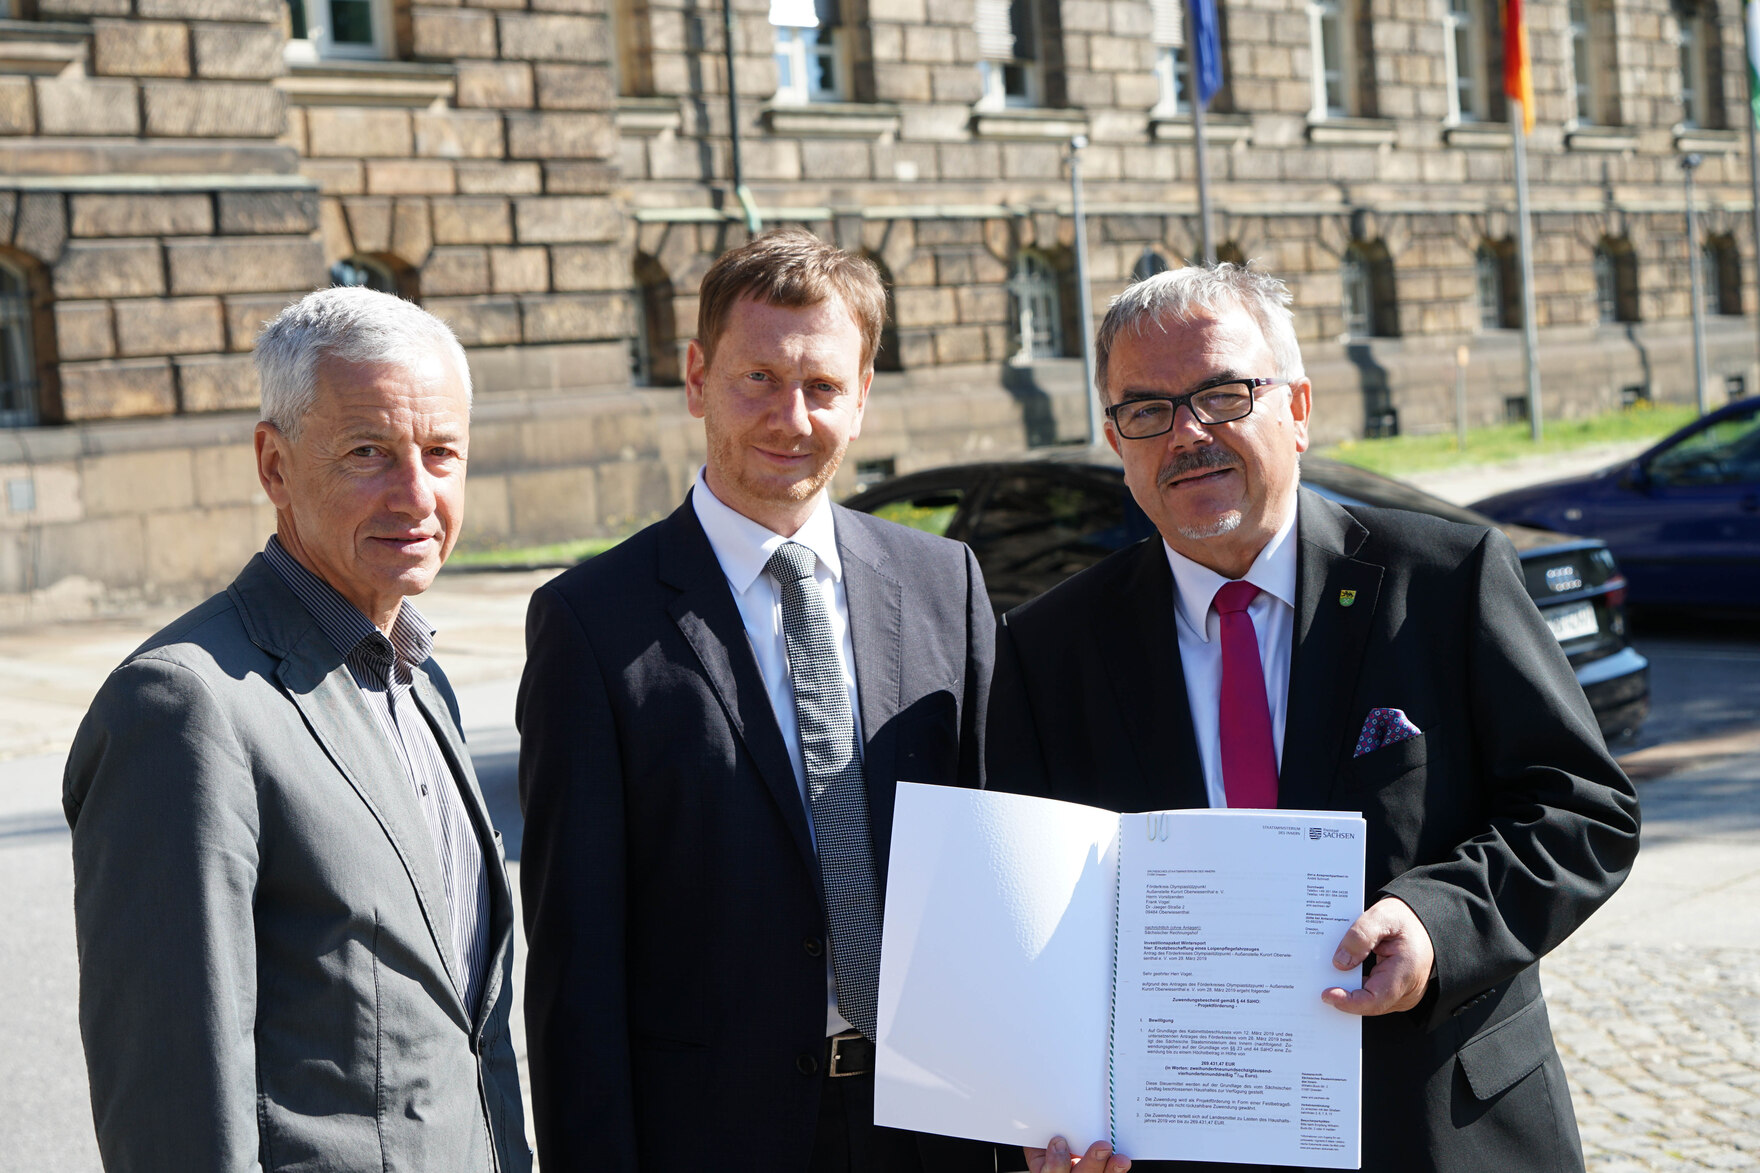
1035,308
889,357
376,271
1722,268
1369,304
1495,265
654,351
1148,264
18,361
1616,280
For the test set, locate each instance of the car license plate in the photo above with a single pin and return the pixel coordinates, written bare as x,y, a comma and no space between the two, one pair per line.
1572,622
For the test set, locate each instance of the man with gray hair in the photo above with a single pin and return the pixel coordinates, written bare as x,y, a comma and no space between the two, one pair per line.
294,924
1275,649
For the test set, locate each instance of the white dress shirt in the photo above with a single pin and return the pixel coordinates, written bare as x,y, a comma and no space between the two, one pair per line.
1199,626
743,547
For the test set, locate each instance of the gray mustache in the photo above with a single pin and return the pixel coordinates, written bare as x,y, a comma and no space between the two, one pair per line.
1208,459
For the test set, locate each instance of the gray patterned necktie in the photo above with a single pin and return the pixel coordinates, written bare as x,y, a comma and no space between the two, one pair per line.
835,789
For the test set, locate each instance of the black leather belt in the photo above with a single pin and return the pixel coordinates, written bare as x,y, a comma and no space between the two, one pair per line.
849,1053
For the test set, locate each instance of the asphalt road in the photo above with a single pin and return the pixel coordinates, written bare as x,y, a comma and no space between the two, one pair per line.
1648,992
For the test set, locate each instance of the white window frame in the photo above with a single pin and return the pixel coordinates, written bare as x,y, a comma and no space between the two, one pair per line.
797,83
1690,41
1172,75
1474,77
1579,59
1324,72
317,45
993,72
1173,65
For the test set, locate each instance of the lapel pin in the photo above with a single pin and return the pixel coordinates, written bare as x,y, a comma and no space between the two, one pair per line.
1346,598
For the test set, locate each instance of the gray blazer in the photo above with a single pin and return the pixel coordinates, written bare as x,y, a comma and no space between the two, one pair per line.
266,975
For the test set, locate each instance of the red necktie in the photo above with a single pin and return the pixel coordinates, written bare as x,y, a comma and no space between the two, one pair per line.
1249,760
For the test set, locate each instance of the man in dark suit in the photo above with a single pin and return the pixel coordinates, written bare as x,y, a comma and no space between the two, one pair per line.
295,928
713,719
1273,648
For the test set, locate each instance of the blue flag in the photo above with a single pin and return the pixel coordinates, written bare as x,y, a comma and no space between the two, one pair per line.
1207,49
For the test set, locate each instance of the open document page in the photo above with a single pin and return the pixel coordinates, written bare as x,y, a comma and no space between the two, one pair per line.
1222,1048
996,970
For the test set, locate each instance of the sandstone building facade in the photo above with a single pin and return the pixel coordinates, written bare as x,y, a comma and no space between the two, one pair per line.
554,176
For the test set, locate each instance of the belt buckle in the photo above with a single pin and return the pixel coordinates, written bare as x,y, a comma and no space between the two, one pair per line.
834,1069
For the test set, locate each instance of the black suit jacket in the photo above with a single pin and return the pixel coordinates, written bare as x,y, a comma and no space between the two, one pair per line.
1504,825
676,982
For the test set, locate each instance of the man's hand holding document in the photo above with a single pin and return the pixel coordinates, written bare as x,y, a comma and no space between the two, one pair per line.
1150,981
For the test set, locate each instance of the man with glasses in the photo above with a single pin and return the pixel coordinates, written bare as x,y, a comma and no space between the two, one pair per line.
1275,649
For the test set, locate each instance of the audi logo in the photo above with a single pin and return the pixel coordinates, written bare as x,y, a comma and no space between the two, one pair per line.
1563,578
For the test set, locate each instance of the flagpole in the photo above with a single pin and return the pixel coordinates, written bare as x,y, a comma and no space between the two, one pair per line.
1085,290
1530,329
1200,147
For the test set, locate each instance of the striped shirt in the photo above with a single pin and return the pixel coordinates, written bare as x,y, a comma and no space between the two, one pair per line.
384,669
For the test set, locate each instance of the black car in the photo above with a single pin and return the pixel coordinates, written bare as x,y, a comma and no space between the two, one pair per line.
1034,522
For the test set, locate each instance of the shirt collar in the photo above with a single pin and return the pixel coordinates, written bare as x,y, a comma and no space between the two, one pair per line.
743,546
412,636
1273,572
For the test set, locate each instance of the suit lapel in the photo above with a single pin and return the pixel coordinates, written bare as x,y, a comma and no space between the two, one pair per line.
458,757
876,623
1336,599
320,684
1140,649
710,623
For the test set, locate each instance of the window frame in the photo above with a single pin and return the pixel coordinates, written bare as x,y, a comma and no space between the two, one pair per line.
1475,73
1366,275
1616,282
1579,58
1323,74
312,49
18,321
1172,73
1691,45
806,52
1035,268
993,72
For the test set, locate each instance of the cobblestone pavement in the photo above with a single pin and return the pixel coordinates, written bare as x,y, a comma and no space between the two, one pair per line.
1662,1047
1655,1003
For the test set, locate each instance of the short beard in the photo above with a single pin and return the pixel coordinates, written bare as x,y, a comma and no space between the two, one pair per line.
1227,523
1207,459
725,457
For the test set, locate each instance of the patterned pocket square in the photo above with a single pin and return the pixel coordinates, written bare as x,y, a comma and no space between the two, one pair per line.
1384,727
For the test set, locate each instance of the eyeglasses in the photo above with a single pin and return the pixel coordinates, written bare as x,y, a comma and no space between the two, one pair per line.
1153,415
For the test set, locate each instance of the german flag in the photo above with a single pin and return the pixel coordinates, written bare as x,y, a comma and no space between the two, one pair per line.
1518,76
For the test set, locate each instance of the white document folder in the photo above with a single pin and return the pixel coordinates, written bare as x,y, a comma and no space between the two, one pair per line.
1150,979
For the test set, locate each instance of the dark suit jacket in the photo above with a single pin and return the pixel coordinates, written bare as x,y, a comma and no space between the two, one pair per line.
676,986
267,976
1504,825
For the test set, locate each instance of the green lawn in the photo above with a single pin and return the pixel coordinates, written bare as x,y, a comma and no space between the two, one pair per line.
554,554
1403,455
